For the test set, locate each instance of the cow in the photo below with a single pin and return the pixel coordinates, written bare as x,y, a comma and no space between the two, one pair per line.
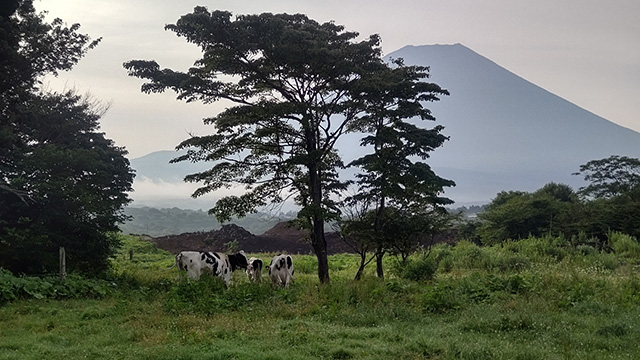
196,263
254,270
227,264
281,270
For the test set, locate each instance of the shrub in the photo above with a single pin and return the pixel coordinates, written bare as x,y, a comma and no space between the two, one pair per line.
586,250
75,286
467,255
624,245
420,269
441,298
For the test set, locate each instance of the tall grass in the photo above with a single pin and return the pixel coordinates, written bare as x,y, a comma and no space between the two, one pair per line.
539,298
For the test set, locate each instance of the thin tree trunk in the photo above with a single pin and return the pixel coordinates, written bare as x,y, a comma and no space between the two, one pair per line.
379,270
363,259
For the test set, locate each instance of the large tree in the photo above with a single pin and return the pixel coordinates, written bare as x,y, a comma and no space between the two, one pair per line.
614,191
404,192
62,183
296,86
611,177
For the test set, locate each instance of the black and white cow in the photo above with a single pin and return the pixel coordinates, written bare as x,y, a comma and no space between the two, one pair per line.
281,270
254,270
196,263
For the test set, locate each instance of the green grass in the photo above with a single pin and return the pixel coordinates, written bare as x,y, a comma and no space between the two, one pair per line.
535,299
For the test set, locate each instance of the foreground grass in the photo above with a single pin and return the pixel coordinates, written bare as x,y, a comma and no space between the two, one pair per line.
532,300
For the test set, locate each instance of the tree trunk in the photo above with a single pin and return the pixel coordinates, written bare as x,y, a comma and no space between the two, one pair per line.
363,259
379,270
376,228
320,247
318,241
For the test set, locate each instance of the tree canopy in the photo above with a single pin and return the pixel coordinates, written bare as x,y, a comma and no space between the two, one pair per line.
611,177
296,87
63,183
517,214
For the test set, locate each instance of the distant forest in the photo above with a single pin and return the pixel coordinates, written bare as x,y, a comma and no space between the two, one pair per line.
171,221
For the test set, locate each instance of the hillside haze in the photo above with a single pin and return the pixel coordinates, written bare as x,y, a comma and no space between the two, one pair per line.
505,134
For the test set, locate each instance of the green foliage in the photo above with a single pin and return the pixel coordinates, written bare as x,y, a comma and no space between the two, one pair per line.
14,288
420,268
210,295
624,245
516,215
611,177
441,298
63,183
290,91
400,197
306,265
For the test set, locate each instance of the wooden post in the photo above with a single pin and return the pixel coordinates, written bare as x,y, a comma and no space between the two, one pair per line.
63,265
130,255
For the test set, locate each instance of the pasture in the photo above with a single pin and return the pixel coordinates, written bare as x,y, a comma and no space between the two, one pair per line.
539,298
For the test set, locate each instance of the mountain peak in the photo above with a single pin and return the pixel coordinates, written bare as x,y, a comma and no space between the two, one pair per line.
516,134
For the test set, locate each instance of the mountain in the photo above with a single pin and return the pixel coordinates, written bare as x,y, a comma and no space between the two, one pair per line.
169,221
505,134
157,167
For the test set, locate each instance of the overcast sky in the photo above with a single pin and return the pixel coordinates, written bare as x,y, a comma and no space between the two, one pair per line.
585,51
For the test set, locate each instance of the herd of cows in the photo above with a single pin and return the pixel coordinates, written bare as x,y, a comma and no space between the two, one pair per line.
197,263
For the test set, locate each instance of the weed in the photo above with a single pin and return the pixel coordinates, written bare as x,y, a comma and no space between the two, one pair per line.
617,330
624,245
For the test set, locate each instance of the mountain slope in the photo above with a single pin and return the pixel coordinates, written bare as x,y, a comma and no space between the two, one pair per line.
505,132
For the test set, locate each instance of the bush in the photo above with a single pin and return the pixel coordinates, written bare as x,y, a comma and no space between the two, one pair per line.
624,245
75,286
441,298
420,269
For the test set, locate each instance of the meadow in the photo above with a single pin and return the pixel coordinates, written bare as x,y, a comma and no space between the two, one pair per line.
537,298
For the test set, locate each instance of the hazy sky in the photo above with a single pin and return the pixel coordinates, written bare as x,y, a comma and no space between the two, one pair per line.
586,51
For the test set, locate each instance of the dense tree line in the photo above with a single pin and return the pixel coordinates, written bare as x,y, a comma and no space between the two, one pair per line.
610,202
62,182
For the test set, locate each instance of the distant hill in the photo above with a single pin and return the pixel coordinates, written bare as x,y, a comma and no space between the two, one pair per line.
169,221
505,134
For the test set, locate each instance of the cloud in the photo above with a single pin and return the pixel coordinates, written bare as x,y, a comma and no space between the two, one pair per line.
163,194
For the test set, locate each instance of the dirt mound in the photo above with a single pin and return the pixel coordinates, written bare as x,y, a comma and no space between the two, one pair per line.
282,238
285,229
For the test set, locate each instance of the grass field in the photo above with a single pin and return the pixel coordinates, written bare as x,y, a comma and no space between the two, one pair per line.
533,299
